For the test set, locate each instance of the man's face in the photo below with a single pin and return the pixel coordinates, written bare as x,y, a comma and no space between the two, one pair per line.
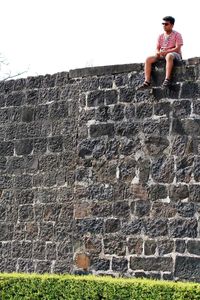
167,26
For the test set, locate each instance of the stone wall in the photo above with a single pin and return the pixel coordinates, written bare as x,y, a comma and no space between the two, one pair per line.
97,177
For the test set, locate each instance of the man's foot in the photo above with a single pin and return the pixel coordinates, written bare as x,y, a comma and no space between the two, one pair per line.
145,85
166,83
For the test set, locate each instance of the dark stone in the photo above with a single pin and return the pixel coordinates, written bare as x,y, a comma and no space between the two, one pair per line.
121,209
15,99
121,80
64,249
144,170
135,246
162,109
39,250
181,108
150,247
63,266
196,107
187,268
102,129
100,192
55,144
180,246
129,146
194,193
23,182
103,113
24,147
117,113
186,210
114,244
130,111
106,82
89,225
26,213
127,169
42,112
127,94
163,169
159,127
189,90
133,227
156,145
151,263
157,191
112,225
95,98
34,82
127,129
165,247
179,228
43,267
184,168
193,247
119,264
111,97
144,110
32,97
197,169
27,114
178,192
100,264
25,266
6,148
46,232
103,209
142,208
59,110
182,145
156,227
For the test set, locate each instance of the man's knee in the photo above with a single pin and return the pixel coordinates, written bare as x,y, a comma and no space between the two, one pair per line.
151,59
169,57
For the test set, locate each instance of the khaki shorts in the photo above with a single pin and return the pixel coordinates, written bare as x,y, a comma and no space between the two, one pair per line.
177,56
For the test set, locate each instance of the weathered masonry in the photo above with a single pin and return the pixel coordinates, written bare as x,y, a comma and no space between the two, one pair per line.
98,177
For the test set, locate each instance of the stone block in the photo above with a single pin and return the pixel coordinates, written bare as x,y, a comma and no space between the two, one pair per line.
112,225
187,268
127,94
151,263
119,265
24,147
101,130
95,98
156,227
111,97
114,244
180,228
135,246
193,247
163,169
150,247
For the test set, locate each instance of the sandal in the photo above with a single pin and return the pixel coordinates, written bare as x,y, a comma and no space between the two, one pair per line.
166,83
144,85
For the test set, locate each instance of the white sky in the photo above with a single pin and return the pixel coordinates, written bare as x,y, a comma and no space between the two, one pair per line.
49,36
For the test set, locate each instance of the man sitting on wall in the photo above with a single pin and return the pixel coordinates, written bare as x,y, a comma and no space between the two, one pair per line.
168,48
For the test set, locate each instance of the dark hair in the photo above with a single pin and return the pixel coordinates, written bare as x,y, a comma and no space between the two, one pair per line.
169,19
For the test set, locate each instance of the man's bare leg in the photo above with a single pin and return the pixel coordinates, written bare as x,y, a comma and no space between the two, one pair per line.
148,66
169,65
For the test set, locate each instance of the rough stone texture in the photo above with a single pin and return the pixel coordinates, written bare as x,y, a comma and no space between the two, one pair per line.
97,177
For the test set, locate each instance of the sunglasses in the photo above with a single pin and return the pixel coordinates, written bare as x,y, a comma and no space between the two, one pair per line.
165,24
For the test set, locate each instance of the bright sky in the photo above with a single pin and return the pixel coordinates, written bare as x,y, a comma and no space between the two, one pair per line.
50,36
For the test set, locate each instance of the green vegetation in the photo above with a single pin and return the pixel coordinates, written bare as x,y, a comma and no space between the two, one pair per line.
56,287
